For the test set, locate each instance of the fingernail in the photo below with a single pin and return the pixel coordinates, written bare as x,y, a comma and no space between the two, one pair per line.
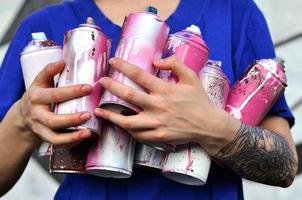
99,111
161,60
84,134
86,88
102,80
112,61
85,116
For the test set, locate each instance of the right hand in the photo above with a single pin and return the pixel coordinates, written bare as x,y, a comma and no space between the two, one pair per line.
36,114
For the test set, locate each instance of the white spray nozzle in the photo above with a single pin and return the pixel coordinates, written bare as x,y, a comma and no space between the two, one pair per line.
194,29
38,36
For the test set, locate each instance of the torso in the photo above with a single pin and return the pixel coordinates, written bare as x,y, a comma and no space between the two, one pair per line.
118,9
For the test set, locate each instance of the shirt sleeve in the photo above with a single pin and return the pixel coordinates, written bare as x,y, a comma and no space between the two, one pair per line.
255,42
11,78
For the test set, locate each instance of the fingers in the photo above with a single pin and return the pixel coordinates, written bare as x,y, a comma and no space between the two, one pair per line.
55,121
184,73
130,95
144,79
45,77
55,95
133,122
55,138
158,136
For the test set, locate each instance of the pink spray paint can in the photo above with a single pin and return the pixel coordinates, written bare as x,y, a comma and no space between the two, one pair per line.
39,52
142,41
149,157
190,164
112,154
256,92
188,46
85,52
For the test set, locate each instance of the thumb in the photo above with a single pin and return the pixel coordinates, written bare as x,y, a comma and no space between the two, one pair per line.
184,73
45,77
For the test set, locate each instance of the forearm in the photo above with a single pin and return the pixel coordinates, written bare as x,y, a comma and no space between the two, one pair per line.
16,147
260,155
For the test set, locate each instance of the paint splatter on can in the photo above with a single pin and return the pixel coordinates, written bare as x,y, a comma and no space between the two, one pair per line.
112,154
149,157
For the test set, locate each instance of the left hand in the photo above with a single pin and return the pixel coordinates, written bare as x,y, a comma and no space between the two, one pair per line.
172,113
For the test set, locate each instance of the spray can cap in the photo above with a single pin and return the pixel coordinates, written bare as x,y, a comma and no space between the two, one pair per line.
194,29
38,36
90,23
214,63
151,9
39,42
279,60
90,20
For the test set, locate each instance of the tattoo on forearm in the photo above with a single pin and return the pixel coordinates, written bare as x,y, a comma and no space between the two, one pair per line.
260,155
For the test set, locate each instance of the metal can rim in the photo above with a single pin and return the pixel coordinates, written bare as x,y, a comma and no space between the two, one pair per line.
42,49
187,39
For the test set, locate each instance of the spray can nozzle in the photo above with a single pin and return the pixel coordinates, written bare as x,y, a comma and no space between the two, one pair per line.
194,29
279,60
38,36
151,9
90,20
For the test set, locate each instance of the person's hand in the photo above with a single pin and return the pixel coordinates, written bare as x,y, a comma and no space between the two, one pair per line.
172,113
36,114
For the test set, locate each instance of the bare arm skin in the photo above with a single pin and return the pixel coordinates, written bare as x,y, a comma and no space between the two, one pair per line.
15,149
30,120
181,113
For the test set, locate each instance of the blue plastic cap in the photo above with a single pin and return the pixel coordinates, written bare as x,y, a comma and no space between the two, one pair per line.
151,9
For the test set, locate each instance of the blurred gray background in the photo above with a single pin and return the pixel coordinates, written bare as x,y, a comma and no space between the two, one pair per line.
284,19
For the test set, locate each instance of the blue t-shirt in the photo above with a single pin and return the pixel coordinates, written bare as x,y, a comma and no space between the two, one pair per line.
236,33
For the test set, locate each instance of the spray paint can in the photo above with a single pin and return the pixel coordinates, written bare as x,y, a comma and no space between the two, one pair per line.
149,157
86,53
190,164
142,41
112,154
256,92
39,52
189,47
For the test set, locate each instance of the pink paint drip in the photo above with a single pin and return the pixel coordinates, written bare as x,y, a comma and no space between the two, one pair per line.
190,159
